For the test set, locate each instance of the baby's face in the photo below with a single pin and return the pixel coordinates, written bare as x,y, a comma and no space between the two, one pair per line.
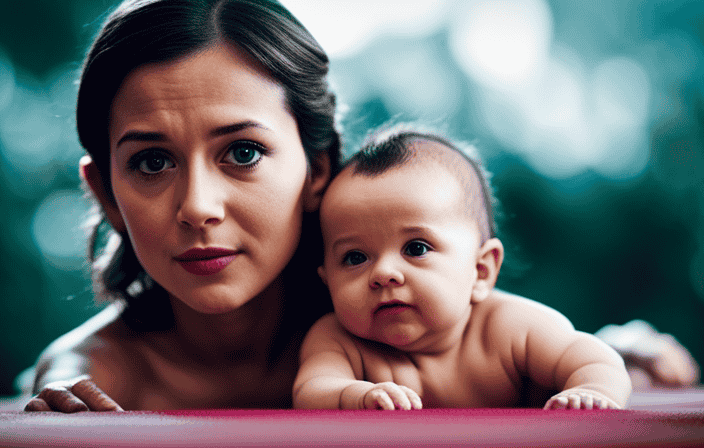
400,255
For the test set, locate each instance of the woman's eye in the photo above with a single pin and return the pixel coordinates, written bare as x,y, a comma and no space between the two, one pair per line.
354,258
244,153
416,249
150,162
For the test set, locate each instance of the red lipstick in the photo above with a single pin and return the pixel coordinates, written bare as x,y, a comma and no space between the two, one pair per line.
206,261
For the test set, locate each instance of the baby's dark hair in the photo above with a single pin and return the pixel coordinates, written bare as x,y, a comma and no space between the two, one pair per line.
390,147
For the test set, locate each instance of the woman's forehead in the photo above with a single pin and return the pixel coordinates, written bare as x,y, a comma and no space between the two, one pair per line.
211,73
219,81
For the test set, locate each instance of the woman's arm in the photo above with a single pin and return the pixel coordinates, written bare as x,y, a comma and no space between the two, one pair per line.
78,371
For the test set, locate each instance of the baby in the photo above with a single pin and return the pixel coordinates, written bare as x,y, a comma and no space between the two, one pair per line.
411,261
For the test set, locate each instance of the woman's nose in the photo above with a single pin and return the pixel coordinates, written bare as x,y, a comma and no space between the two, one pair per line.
385,272
201,204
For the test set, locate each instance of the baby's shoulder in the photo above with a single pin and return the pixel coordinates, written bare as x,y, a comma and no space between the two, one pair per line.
328,325
327,333
505,311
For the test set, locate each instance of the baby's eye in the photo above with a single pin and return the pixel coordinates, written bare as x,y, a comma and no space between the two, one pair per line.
416,249
354,258
244,153
150,162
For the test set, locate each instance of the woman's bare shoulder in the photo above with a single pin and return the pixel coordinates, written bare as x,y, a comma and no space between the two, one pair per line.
105,325
98,346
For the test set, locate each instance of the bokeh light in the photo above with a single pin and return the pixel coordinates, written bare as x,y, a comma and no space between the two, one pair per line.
345,27
57,229
502,43
7,81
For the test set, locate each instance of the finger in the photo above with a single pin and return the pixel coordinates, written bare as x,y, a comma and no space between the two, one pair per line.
62,400
93,397
384,401
37,405
575,401
557,403
561,403
399,397
587,401
600,403
413,397
378,399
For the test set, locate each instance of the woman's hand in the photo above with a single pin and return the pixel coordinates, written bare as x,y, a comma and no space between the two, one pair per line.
77,395
580,399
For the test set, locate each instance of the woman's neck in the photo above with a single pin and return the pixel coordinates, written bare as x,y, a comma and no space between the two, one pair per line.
243,334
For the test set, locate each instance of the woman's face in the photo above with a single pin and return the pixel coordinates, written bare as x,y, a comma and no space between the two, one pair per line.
209,176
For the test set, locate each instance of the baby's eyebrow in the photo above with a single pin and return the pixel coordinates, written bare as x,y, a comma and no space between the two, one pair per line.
343,240
417,229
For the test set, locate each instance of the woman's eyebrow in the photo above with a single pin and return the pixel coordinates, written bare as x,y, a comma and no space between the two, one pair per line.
141,136
236,127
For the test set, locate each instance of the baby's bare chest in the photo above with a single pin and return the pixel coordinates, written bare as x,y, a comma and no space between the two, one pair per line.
447,382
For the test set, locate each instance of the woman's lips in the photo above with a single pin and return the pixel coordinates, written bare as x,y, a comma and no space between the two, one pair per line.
206,261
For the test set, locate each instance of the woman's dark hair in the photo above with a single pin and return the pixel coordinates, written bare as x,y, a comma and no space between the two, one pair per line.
140,32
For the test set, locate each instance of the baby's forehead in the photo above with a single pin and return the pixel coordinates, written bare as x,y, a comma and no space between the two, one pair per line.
457,165
451,165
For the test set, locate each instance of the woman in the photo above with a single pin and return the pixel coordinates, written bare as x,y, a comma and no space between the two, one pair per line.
210,132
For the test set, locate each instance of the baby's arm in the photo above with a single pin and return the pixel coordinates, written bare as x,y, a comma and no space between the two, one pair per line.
69,370
330,366
588,372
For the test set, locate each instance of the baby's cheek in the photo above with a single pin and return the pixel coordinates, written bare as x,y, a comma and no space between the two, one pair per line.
351,308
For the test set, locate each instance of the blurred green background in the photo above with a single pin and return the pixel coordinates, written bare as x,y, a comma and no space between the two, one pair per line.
589,114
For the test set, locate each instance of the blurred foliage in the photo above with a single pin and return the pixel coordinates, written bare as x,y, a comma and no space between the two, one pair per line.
599,247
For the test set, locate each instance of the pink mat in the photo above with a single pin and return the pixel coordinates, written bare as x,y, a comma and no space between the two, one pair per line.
664,418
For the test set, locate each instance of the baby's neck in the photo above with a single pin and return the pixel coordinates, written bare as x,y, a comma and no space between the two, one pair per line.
440,345
238,335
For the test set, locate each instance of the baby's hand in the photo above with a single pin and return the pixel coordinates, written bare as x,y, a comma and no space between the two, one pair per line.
77,395
580,399
391,396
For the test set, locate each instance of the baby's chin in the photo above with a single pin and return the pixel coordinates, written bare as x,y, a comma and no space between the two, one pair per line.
402,340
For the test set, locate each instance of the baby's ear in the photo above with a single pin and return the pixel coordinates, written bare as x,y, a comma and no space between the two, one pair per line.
322,274
489,260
